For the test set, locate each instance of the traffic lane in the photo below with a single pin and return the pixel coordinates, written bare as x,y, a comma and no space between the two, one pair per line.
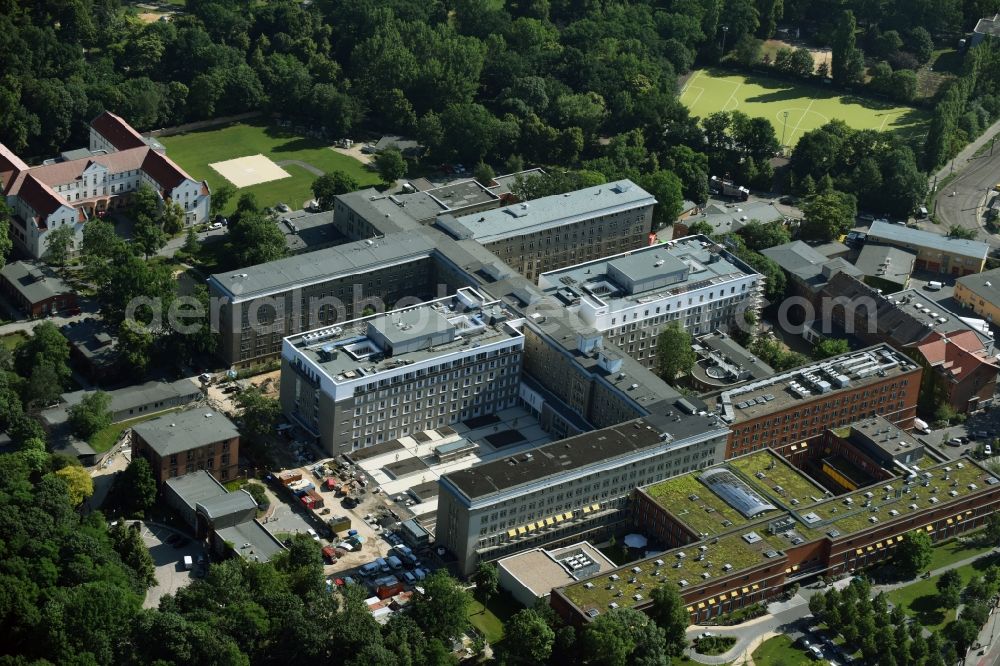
970,188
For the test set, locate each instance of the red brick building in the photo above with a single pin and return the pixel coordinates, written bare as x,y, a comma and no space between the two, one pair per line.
185,442
36,289
960,368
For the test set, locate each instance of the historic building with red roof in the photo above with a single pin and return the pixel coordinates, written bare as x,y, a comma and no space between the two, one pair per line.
85,183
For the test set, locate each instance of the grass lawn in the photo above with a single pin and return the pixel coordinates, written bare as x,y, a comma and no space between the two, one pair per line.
808,106
13,341
196,150
490,623
779,651
954,551
919,599
104,439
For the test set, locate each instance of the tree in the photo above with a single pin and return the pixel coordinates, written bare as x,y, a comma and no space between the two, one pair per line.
441,611
390,165
759,235
828,347
992,531
220,198
91,414
5,242
44,359
817,604
487,580
919,42
914,553
137,487
127,541
956,231
669,613
145,202
484,173
949,587
963,634
666,188
844,50
79,485
258,413
256,240
329,185
828,215
624,636
148,236
531,641
58,243
191,245
171,218
674,354
701,227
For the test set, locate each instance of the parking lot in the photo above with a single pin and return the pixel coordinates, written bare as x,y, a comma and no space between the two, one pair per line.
168,548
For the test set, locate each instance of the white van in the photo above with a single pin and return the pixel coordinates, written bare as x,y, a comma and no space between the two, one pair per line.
188,563
934,285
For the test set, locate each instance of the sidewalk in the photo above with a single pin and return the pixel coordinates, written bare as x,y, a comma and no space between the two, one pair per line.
964,155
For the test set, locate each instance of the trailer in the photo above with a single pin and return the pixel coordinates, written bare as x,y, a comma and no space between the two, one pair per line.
289,477
386,591
315,498
728,188
330,553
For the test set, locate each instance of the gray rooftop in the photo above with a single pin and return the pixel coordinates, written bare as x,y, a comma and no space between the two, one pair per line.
937,317
140,395
502,184
733,352
196,487
456,197
226,505
599,447
93,340
882,434
187,430
886,263
380,342
726,217
647,273
548,212
986,285
322,265
895,233
807,264
307,232
251,541
35,281
989,26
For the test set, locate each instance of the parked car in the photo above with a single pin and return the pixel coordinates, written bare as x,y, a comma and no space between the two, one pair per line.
934,285
311,532
369,569
283,207
409,578
215,225
954,441
419,574
815,652
988,450
382,565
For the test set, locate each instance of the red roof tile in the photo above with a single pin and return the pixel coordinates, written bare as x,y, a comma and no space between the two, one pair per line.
119,133
163,170
40,197
10,166
958,355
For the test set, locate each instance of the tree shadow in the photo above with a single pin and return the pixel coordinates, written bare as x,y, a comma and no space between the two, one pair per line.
928,610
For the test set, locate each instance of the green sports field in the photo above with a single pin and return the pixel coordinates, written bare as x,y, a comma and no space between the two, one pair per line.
194,151
808,107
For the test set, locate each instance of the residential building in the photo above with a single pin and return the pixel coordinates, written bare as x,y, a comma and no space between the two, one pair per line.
531,575
808,270
986,28
797,404
409,147
184,442
980,293
36,289
935,253
569,490
81,184
562,230
630,297
379,377
960,369
745,531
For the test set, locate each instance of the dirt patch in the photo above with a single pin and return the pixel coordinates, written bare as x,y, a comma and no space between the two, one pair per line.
149,17
355,152
820,55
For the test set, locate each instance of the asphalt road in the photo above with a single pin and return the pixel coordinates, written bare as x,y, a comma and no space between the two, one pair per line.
973,190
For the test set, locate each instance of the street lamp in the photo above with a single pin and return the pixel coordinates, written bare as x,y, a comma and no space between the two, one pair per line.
783,128
725,29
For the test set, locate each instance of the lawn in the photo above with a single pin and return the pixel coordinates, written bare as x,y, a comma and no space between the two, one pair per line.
919,599
194,151
105,438
13,341
807,106
779,651
490,623
955,551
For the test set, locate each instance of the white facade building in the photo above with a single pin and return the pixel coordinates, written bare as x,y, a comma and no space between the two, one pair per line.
87,182
631,296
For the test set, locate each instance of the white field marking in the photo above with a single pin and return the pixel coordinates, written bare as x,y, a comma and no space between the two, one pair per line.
732,98
796,128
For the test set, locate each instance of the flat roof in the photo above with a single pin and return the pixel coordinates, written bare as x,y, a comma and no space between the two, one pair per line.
647,274
926,239
321,265
503,183
821,380
310,231
539,570
808,264
93,340
988,26
986,285
196,487
140,395
934,316
886,263
34,281
182,431
358,348
734,353
883,435
548,212
575,453
225,505
725,217
252,541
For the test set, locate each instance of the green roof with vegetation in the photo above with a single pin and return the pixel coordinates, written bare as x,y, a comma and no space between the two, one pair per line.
777,474
695,505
